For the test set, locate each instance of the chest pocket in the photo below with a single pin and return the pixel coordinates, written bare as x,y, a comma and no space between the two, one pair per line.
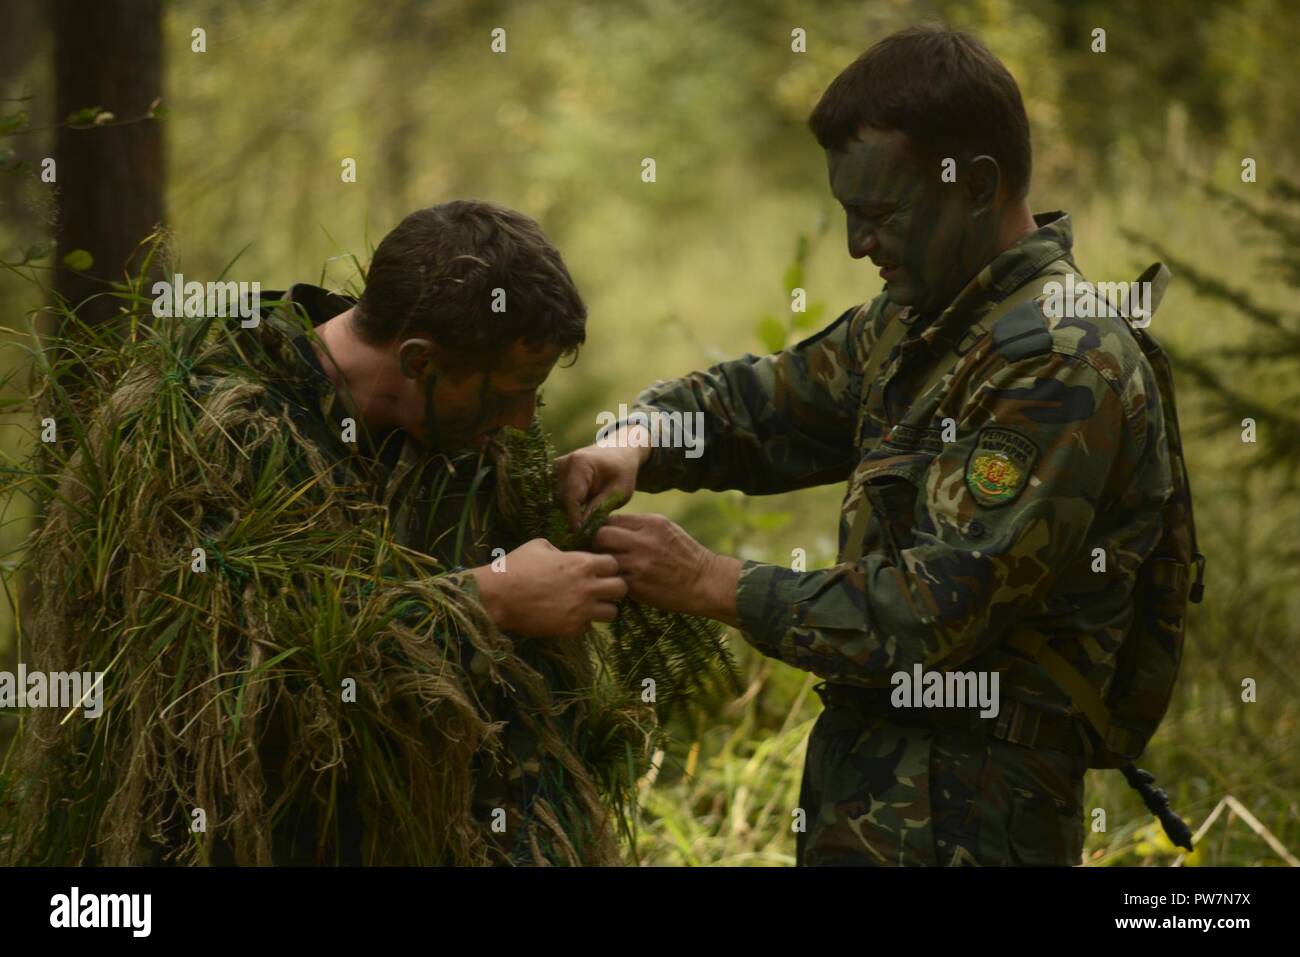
893,485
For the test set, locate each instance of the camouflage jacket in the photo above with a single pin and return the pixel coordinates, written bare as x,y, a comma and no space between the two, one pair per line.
1053,448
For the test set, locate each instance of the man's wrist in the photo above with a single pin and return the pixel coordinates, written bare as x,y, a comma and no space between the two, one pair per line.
718,588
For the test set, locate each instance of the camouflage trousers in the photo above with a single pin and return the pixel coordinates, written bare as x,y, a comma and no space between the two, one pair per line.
879,793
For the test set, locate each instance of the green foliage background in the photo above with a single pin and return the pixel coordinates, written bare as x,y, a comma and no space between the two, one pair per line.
695,268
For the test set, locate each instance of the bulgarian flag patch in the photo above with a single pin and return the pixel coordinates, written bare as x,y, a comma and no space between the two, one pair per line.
999,466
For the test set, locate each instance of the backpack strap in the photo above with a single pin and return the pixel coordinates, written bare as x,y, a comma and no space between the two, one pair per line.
1082,693
1158,275
1169,574
1022,336
893,333
881,349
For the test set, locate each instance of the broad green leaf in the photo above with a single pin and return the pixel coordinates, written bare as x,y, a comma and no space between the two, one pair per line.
78,260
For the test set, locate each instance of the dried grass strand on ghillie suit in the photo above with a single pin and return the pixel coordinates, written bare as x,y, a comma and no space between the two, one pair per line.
304,588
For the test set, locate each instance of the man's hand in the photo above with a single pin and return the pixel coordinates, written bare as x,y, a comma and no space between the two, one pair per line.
668,569
589,476
545,593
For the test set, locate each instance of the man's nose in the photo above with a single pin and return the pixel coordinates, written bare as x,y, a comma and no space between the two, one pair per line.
862,241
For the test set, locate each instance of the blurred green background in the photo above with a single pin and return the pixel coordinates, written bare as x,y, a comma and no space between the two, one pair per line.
694,268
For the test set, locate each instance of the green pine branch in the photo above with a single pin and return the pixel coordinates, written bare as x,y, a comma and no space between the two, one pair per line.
687,657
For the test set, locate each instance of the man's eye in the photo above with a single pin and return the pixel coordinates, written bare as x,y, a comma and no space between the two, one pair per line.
872,216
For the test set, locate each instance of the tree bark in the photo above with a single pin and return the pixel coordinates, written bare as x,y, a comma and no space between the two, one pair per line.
108,53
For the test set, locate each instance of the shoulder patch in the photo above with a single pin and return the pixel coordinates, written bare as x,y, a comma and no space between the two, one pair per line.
1021,333
999,466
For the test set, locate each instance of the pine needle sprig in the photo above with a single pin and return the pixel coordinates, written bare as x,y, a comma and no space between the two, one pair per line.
686,658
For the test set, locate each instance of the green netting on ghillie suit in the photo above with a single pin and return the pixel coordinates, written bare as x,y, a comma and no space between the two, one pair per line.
326,689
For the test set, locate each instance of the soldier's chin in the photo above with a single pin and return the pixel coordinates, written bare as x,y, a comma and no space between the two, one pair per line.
899,293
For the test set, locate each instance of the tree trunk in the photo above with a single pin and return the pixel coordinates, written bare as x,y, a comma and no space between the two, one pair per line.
108,54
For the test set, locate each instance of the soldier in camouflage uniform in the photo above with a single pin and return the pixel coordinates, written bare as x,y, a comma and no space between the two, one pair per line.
443,500
989,452
336,462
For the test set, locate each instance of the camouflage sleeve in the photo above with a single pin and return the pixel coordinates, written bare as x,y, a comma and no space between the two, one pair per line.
994,517
770,424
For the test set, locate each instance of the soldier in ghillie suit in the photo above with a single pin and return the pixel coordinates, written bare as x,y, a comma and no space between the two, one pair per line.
309,567
992,452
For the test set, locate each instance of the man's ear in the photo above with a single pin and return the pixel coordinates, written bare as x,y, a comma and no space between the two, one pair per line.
415,356
983,177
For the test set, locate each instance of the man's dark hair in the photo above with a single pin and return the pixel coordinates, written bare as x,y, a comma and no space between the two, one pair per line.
437,273
942,88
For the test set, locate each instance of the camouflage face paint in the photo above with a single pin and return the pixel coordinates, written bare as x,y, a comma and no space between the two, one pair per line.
453,424
473,405
430,411
925,234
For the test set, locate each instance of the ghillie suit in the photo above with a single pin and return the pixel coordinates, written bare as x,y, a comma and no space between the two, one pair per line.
296,668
